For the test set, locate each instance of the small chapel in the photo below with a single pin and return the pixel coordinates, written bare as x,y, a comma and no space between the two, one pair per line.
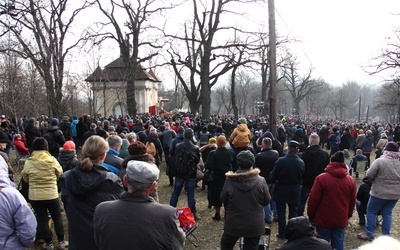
109,89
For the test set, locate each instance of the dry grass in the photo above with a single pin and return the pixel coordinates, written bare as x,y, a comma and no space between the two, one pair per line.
209,232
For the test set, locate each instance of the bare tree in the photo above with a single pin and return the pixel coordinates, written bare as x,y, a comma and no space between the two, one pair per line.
43,33
136,38
297,85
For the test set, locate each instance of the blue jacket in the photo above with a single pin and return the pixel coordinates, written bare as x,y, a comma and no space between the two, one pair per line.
287,176
366,145
73,128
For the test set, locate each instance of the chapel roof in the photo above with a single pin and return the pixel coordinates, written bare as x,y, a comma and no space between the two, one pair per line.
116,71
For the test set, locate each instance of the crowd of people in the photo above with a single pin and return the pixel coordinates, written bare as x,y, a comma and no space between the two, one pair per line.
309,167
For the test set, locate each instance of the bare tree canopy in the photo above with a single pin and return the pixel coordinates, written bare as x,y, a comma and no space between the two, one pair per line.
42,33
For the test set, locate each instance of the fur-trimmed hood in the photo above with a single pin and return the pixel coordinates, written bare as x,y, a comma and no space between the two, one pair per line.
244,179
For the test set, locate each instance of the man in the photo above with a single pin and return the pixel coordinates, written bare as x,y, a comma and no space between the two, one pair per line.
334,141
73,129
54,137
185,171
332,200
137,221
287,176
90,132
31,132
65,127
112,157
265,161
315,161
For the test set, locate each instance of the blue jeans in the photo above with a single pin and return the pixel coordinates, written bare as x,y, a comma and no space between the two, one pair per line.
269,215
373,207
281,208
333,235
190,186
305,192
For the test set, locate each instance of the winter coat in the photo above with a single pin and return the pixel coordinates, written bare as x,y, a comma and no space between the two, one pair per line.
194,151
220,161
360,138
18,223
363,193
42,171
203,138
167,136
366,144
73,128
245,193
58,137
315,161
31,132
81,129
137,222
240,137
113,159
86,191
20,146
332,197
67,159
384,174
332,140
265,161
301,138
287,175
153,137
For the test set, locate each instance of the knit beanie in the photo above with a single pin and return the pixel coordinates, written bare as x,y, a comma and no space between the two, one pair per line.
188,133
392,146
337,157
242,120
54,122
245,159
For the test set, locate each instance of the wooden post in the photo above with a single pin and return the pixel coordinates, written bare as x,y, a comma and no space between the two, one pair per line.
272,65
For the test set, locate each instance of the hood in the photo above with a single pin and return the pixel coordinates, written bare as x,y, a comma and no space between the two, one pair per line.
66,155
242,127
5,180
52,128
298,227
82,183
42,159
269,135
337,169
243,180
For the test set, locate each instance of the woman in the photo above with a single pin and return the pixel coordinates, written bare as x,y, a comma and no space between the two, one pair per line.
220,161
42,172
245,194
123,152
384,174
88,185
366,146
381,145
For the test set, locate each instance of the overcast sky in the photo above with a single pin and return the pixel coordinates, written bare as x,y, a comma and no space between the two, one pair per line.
339,37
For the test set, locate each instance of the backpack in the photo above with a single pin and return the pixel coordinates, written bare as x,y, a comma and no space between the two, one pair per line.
53,145
185,160
151,148
337,140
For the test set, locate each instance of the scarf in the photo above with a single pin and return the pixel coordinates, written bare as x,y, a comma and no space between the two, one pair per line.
390,154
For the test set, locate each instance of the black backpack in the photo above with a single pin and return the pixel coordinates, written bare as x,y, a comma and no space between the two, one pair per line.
51,141
185,160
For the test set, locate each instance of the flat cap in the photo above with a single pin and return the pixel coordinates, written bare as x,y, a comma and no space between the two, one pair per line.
142,171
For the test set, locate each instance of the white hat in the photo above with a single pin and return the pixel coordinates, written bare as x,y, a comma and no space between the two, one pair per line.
142,171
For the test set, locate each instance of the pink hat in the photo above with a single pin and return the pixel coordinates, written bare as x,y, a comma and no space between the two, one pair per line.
69,145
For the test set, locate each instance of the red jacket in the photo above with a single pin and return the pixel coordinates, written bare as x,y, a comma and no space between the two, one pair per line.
20,146
332,197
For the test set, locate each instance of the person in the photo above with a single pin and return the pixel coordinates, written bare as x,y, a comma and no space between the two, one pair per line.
153,137
366,146
18,228
383,242
362,200
300,234
42,171
88,185
245,194
73,129
358,157
167,136
20,145
204,136
65,127
31,132
137,221
92,131
381,145
301,137
170,171
332,200
81,128
315,161
241,136
220,161
205,151
187,178
54,137
286,177
384,174
112,158
334,140
123,152
265,161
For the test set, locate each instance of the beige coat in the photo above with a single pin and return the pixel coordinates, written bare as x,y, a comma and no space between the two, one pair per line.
42,171
240,137
384,174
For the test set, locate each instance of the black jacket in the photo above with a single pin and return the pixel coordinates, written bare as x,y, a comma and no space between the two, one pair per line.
315,161
194,151
363,193
58,137
31,132
86,191
265,161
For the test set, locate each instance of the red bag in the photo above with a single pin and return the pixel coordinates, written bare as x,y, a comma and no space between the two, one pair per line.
186,218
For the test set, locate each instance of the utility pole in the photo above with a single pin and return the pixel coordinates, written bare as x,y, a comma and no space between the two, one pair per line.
272,65
359,109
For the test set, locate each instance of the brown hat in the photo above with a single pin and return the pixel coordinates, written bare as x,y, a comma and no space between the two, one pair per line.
137,148
221,141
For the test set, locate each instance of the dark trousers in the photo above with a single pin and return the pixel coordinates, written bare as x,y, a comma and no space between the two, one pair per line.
281,208
228,242
41,208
